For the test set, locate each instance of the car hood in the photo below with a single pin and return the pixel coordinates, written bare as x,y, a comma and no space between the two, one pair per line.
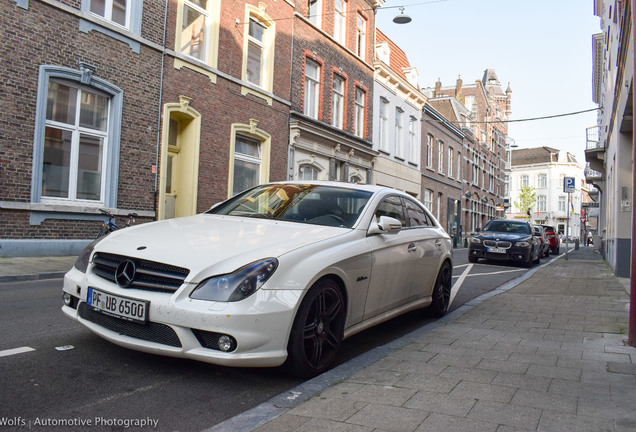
500,236
221,243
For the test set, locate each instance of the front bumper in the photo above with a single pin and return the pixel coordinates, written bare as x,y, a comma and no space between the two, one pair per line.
179,326
514,253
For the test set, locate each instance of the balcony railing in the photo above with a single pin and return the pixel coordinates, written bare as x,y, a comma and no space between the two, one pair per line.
591,174
594,141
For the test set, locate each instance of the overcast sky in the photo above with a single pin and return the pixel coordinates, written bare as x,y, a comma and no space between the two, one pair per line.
543,48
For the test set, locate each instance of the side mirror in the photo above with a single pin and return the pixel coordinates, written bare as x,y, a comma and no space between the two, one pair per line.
477,229
386,225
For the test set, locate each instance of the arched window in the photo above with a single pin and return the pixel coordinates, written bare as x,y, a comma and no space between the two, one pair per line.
307,172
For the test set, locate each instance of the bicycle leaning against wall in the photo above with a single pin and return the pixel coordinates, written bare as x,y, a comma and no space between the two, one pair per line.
111,224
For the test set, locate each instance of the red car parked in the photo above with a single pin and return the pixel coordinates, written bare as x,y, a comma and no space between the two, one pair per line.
552,236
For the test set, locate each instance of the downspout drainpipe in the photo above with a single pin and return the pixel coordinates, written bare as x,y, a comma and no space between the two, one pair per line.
632,298
163,59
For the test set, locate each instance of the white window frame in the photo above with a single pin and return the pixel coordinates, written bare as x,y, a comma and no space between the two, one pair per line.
211,34
440,156
428,199
303,168
314,12
361,36
312,89
266,47
110,162
384,125
108,12
542,203
337,102
562,204
459,166
264,140
413,147
360,96
524,180
340,21
451,155
429,151
542,181
399,133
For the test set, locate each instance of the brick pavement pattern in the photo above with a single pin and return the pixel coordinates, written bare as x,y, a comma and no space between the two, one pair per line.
546,355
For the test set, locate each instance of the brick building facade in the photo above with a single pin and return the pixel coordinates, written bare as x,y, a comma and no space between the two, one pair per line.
162,108
481,110
332,91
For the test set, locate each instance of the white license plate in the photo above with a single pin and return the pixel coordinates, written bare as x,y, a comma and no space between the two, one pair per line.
118,306
496,250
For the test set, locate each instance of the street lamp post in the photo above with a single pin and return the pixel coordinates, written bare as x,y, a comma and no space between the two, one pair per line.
510,144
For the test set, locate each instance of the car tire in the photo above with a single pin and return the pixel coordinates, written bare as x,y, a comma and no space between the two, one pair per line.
318,329
555,251
472,259
547,253
529,261
442,291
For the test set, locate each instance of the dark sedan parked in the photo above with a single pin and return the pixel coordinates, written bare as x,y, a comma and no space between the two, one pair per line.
506,240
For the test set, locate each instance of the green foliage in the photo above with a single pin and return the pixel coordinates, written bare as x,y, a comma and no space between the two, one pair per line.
527,199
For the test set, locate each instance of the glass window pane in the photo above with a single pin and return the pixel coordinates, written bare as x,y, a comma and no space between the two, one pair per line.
246,146
93,111
98,7
61,101
257,30
246,175
119,12
89,169
193,33
254,56
56,162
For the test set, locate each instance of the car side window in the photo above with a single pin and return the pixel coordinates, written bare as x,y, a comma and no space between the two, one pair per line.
391,206
416,215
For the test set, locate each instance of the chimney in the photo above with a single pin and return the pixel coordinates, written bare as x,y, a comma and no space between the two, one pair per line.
438,88
458,88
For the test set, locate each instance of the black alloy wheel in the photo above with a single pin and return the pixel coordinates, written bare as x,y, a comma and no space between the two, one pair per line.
442,290
318,329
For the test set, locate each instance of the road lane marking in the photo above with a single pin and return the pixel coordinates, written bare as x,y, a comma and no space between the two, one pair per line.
459,283
14,351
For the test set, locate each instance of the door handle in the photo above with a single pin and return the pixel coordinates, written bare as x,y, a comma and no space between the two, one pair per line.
438,242
412,247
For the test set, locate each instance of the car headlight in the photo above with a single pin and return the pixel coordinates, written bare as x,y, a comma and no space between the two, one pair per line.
475,240
84,257
522,244
237,285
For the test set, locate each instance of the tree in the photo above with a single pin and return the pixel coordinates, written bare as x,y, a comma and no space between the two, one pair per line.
527,199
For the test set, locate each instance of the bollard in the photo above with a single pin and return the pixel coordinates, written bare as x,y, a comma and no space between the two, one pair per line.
576,244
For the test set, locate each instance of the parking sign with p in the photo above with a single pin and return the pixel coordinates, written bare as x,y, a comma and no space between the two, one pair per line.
569,185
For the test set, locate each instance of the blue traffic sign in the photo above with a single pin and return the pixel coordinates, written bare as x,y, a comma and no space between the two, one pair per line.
569,185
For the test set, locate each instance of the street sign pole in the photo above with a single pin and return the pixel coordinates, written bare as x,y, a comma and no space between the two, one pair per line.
567,227
569,186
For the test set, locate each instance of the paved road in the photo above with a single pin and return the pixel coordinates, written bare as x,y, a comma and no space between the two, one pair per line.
98,381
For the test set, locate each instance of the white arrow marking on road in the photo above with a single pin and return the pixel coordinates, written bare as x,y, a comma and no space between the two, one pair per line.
14,351
459,283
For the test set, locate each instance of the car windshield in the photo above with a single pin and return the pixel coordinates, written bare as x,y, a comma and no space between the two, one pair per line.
313,204
507,227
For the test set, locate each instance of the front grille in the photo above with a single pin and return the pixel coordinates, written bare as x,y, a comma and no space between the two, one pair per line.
497,244
149,275
151,332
